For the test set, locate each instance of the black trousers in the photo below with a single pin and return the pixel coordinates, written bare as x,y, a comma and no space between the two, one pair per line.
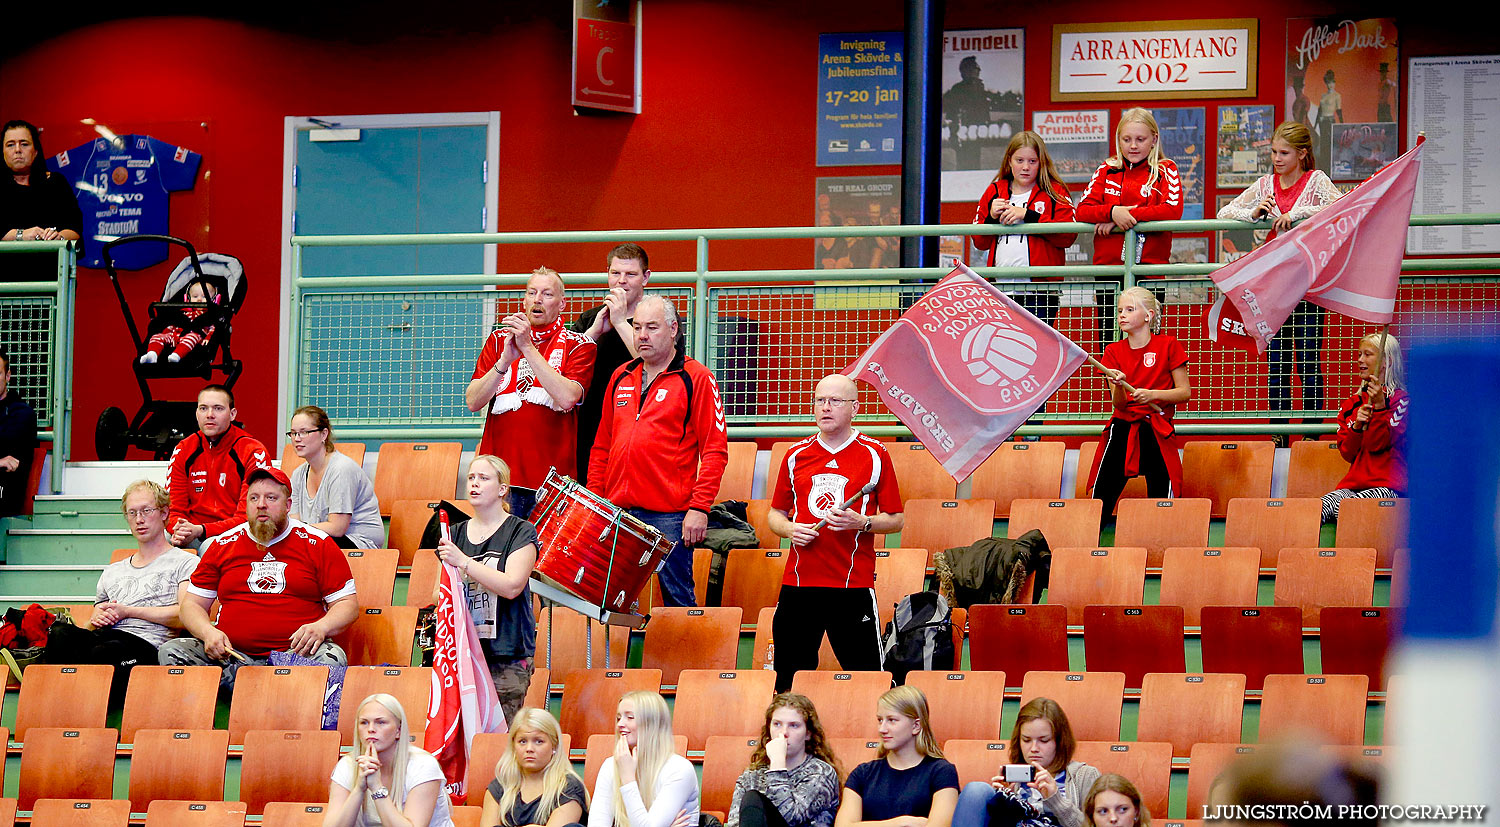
805,613
758,811
123,651
1111,480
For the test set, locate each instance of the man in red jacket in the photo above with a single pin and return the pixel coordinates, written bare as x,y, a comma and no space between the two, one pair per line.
662,448
208,469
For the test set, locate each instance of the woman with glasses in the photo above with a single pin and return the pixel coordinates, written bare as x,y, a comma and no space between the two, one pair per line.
835,491
330,491
135,603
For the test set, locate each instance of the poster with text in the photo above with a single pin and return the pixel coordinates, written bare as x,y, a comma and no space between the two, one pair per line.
1341,71
1361,149
859,98
1456,101
983,74
1235,244
1077,140
1184,139
857,201
1244,144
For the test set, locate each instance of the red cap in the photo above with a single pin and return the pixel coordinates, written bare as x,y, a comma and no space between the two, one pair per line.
269,472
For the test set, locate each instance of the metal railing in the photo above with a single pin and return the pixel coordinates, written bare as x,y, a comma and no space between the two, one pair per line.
36,327
799,324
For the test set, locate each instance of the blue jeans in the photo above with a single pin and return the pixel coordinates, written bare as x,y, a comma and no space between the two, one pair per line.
973,805
676,573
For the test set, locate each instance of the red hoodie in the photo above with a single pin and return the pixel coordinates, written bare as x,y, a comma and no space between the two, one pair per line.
650,441
206,479
1377,454
1126,187
1045,250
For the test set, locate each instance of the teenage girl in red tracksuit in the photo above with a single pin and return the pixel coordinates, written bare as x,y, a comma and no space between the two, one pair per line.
1027,188
1372,428
1136,184
1140,440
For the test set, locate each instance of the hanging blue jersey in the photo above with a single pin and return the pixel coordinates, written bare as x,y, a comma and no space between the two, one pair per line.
122,189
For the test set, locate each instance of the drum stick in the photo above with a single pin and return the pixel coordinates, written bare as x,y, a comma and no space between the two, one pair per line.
860,493
1126,385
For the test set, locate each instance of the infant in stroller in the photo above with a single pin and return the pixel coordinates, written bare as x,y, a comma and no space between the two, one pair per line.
182,331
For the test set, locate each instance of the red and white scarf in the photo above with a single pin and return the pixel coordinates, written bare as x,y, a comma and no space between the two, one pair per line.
519,383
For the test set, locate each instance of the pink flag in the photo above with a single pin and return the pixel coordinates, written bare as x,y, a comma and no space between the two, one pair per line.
462,702
1346,258
965,367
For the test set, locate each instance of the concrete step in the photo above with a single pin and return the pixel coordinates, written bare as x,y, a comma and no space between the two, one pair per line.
34,546
69,503
78,582
74,520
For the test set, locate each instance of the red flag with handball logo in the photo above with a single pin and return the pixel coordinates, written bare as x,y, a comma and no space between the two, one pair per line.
1347,258
965,367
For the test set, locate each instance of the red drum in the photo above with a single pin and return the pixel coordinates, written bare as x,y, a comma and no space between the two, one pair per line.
589,547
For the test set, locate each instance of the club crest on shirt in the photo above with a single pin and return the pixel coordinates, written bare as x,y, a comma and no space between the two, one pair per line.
1040,207
267,577
826,494
1145,190
661,393
1149,360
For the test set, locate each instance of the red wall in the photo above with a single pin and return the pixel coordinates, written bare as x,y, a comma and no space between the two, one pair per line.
726,138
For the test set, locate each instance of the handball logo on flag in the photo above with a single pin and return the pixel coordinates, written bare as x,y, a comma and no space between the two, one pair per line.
975,326
965,367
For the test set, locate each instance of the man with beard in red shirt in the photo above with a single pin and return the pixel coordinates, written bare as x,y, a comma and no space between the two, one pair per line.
281,585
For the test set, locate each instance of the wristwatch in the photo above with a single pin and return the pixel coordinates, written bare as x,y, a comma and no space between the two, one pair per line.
869,524
379,793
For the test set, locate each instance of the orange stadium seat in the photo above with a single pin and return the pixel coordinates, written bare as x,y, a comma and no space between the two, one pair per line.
679,638
752,578
962,705
276,697
82,812
409,519
920,476
1331,705
1017,639
721,702
755,514
416,471
286,765
845,701
898,573
571,637
724,758
590,696
1378,524
976,760
1098,576
63,696
1355,641
937,525
178,813
380,635
374,571
1020,471
1157,525
67,763
1134,640
739,474
1135,487
1311,578
851,752
1065,523
602,746
1207,762
7,812
422,580
1092,700
352,450
1316,468
1196,577
1254,641
1222,471
194,691
411,685
1147,764
1184,709
1272,525
177,764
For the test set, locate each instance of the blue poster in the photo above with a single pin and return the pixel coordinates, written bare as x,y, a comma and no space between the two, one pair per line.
1183,139
859,98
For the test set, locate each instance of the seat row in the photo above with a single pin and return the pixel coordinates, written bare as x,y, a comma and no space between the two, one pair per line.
287,767
1176,707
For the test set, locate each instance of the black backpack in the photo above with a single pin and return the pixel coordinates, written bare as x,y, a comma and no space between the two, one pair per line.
919,635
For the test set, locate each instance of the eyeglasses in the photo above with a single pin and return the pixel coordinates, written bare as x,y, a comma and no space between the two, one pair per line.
141,512
832,401
302,434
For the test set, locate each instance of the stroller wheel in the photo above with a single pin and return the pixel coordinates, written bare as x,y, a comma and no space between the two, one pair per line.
111,434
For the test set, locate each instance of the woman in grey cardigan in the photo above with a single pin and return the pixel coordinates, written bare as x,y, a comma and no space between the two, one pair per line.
793,779
1042,738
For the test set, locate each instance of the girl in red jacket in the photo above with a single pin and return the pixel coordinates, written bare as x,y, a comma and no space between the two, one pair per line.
1372,428
1140,439
1136,184
1027,188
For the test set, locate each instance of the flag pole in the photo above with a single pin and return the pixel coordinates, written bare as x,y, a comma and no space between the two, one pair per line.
1126,385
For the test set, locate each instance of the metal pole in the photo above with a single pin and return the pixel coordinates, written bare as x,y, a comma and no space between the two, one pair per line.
922,110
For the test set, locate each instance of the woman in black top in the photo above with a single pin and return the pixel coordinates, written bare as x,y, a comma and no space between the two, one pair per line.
495,551
534,781
910,784
36,204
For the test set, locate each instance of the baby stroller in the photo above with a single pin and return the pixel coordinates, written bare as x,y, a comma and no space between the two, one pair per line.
160,424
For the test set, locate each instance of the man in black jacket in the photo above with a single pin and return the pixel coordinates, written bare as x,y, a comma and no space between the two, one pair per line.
17,443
